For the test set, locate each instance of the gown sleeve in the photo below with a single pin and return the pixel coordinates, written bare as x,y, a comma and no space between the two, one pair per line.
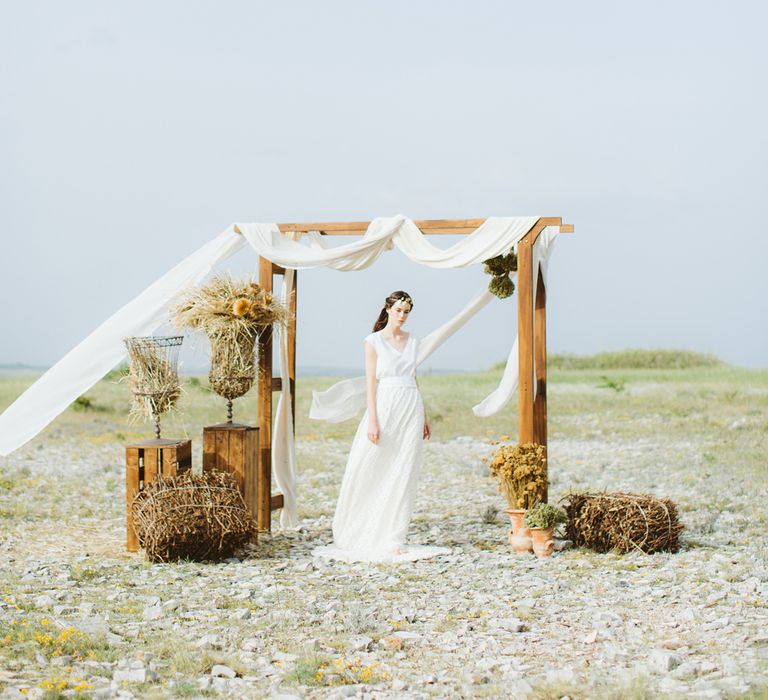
371,340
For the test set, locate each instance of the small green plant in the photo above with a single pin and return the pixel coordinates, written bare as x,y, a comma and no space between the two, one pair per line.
83,403
615,384
545,516
118,373
490,515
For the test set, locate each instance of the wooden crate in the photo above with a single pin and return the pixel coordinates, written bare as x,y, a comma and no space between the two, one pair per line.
234,448
144,462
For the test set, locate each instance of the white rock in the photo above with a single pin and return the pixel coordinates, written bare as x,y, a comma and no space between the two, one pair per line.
153,612
130,675
222,671
663,661
406,636
359,642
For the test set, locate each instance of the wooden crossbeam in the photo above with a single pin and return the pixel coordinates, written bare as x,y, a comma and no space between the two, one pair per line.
356,228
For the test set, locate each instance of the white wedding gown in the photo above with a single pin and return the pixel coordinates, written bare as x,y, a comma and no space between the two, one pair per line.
379,484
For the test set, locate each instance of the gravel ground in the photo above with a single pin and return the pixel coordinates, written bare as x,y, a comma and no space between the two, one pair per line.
479,622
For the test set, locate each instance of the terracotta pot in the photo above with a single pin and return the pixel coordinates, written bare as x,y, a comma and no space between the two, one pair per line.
519,535
543,544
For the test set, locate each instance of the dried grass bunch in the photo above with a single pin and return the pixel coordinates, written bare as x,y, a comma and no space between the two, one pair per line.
231,313
521,472
501,268
153,378
622,522
190,516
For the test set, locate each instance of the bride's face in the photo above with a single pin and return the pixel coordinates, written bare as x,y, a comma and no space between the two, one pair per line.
398,313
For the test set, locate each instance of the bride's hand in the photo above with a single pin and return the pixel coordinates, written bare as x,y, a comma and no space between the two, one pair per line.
373,431
427,430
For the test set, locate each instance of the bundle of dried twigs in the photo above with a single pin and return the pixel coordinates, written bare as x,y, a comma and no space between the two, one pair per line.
190,516
622,522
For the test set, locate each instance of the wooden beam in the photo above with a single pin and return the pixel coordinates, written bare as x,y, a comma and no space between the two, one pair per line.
525,334
264,480
276,501
444,226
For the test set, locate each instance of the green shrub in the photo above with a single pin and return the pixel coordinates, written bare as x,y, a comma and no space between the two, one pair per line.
545,516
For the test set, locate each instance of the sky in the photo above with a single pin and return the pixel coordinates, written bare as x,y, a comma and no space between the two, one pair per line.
131,133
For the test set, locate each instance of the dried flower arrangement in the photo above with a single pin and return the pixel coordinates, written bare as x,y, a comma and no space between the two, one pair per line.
231,313
153,377
500,269
521,472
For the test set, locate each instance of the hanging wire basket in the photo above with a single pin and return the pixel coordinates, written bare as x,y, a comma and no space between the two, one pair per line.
233,365
154,377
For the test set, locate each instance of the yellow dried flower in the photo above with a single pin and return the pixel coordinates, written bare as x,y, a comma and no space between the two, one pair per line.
521,472
241,306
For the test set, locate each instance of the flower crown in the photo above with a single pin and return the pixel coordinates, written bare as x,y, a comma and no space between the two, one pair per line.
404,300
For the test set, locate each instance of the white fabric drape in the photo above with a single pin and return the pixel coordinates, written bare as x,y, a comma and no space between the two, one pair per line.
283,445
103,349
82,367
347,397
495,236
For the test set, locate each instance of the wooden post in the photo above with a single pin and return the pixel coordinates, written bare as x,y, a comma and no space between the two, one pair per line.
264,480
525,337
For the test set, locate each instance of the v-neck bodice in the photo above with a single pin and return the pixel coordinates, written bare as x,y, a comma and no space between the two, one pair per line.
391,362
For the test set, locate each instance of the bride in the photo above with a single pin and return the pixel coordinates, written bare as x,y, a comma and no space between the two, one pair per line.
379,484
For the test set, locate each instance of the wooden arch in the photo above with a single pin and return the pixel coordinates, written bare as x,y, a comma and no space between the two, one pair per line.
532,342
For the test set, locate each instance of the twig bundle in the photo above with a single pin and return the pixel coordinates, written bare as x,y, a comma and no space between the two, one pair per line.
190,516
622,522
153,378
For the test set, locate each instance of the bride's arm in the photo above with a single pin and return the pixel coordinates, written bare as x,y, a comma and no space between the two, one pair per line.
371,383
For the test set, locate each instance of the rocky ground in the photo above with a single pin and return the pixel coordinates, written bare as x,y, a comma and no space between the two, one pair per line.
80,616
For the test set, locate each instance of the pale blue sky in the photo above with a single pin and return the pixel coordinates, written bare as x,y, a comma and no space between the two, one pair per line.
133,132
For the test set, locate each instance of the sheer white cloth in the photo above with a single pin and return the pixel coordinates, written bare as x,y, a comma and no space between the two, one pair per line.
103,349
378,489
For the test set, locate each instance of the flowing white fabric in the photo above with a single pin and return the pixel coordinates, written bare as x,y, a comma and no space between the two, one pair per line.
378,490
495,236
91,359
283,445
499,397
345,398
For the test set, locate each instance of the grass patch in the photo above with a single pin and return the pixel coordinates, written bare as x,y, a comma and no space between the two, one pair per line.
632,359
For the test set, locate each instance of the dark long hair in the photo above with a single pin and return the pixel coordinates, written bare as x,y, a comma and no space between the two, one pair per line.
392,299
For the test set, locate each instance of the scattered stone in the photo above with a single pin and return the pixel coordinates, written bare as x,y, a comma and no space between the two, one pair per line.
359,643
153,612
663,661
222,671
